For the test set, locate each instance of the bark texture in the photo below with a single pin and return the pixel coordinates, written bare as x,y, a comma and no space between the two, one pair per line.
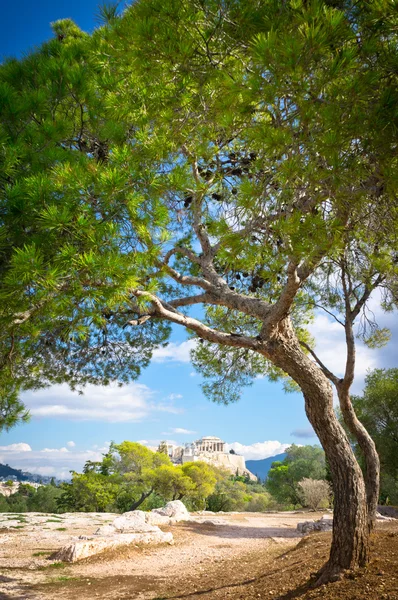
368,447
350,542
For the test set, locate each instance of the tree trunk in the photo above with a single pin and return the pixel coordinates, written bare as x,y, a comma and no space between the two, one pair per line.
368,447
138,502
350,540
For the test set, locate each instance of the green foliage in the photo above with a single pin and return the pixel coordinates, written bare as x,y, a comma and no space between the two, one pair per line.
287,113
132,476
3,504
45,499
203,480
88,492
377,409
173,482
238,494
12,411
300,462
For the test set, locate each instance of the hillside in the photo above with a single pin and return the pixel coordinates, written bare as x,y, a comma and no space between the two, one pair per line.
260,468
7,472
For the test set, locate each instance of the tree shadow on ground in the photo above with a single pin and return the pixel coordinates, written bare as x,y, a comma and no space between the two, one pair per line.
290,595
17,586
237,531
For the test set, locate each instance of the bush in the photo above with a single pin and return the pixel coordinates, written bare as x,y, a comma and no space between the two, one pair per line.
314,493
3,504
259,502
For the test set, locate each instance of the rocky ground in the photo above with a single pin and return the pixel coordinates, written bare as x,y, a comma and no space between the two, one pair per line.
242,556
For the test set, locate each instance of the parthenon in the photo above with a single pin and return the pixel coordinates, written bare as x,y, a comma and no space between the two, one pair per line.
210,444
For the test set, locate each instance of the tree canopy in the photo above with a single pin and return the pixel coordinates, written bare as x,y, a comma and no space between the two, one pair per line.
236,156
299,463
377,408
227,175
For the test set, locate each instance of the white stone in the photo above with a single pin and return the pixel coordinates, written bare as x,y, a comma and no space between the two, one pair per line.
175,509
155,519
84,548
131,522
106,530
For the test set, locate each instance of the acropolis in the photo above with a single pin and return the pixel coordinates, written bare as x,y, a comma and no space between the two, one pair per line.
209,449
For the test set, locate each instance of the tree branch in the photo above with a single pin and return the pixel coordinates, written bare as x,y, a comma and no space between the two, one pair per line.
325,370
165,311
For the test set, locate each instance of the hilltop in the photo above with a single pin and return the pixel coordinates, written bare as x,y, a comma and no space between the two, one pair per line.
260,468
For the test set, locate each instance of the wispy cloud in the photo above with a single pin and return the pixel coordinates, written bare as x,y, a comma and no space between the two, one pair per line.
306,432
174,396
174,352
179,430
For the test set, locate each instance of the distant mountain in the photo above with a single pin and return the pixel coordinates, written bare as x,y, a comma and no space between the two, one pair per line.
261,467
7,472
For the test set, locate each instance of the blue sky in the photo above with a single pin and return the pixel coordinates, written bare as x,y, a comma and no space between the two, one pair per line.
166,402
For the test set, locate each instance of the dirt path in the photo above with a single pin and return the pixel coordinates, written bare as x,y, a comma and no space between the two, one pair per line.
201,552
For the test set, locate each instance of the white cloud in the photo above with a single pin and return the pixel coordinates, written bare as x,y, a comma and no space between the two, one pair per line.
258,450
70,444
55,462
113,404
22,447
331,346
175,352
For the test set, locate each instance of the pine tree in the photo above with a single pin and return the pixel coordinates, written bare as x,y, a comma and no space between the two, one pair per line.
239,156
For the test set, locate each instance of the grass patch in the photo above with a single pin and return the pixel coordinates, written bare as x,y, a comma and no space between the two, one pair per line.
57,565
17,526
42,553
60,529
54,565
54,521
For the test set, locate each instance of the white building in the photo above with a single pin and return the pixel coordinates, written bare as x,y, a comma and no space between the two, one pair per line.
210,449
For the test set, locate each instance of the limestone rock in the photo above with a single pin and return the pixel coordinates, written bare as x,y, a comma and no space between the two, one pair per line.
175,509
324,524
106,530
305,527
84,548
133,522
380,517
155,519
388,511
